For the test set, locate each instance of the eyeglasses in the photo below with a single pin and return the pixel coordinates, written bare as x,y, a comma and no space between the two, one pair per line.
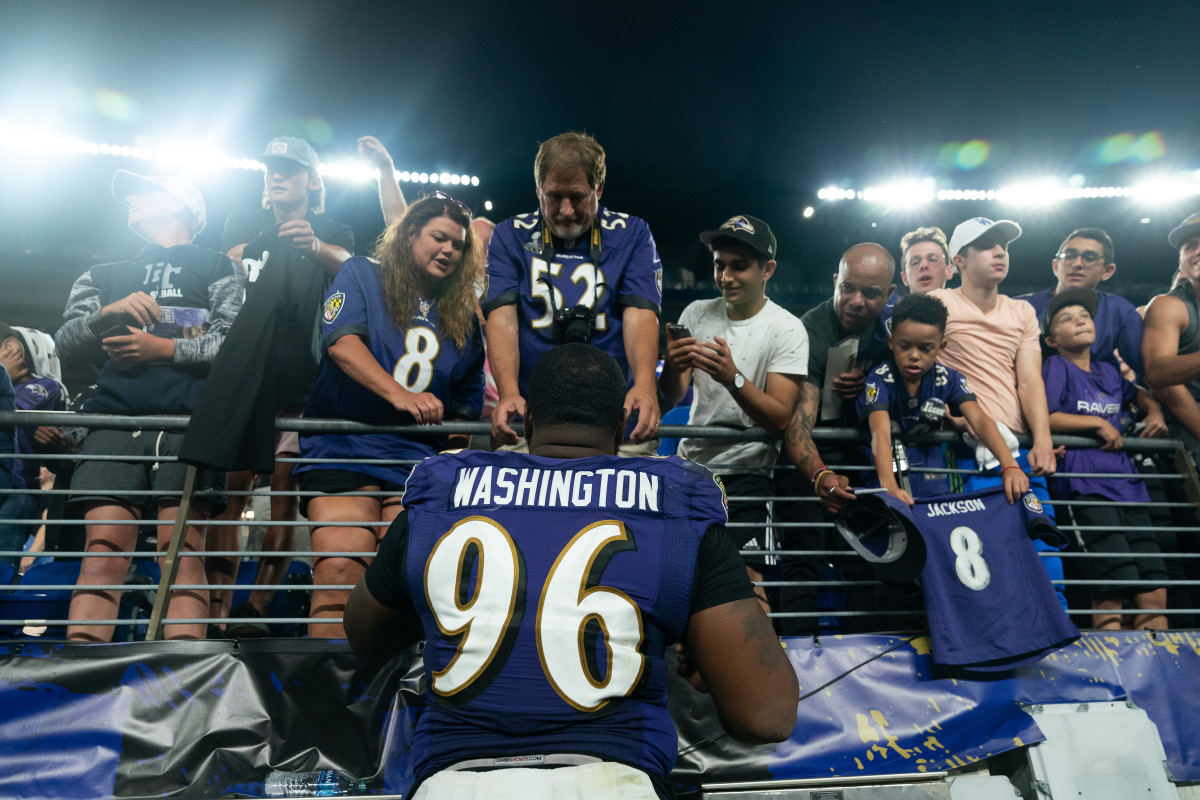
440,195
1089,256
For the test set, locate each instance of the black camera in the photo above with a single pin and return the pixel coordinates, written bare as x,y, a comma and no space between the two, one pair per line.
574,325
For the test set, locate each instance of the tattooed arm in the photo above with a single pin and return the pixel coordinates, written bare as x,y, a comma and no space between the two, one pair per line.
798,443
731,651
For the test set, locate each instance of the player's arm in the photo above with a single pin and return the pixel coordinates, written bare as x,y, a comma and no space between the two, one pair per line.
802,451
1031,390
639,332
375,626
372,627
502,331
1016,483
738,659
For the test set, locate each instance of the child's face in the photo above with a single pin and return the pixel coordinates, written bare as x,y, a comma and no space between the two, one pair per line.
1072,329
915,345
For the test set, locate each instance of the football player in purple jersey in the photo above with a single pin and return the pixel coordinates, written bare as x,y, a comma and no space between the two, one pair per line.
547,587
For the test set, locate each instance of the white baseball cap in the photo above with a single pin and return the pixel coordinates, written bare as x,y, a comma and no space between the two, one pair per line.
126,183
973,229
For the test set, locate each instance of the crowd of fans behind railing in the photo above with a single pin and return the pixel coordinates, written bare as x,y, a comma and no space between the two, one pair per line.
399,338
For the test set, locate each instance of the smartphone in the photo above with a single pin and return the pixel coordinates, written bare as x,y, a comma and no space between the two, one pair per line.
676,331
113,325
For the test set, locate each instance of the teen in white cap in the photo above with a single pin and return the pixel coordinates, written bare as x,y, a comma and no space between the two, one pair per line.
994,340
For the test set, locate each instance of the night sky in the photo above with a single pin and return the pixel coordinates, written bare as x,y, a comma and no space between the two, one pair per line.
706,110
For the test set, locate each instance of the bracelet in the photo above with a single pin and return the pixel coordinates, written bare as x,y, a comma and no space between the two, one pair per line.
317,252
821,473
821,468
1011,466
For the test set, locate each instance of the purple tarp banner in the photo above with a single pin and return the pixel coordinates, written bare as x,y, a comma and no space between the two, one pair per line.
210,719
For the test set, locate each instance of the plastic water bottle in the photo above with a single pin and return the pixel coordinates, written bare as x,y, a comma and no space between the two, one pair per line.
317,783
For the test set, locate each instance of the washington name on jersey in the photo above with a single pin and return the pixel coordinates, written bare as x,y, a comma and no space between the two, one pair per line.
489,487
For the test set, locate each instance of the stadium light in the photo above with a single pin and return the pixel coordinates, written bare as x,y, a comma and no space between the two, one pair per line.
190,156
1041,192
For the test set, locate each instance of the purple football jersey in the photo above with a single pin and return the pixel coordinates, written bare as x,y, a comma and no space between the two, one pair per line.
629,273
1100,393
555,586
990,603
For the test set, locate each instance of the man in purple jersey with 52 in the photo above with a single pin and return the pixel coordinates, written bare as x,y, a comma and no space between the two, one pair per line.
573,271
547,587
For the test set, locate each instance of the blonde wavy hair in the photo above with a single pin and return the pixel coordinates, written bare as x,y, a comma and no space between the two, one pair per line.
455,294
934,234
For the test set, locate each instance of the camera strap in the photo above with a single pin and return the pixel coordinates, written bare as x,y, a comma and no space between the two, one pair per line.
593,243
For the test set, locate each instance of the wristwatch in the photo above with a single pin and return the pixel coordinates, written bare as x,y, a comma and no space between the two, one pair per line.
738,381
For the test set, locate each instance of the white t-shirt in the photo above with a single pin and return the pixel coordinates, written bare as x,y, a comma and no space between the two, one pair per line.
773,340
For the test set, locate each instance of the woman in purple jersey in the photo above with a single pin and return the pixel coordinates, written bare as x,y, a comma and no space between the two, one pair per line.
402,345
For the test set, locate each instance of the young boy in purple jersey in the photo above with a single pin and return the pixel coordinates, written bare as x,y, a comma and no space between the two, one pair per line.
912,391
1087,397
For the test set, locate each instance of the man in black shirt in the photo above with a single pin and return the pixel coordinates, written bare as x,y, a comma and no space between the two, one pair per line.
861,287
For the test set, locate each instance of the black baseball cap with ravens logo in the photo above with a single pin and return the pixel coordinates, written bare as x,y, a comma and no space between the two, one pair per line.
880,528
750,231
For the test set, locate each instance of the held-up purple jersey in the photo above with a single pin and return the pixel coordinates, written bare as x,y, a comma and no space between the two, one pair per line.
421,359
941,388
990,603
555,586
1100,393
629,274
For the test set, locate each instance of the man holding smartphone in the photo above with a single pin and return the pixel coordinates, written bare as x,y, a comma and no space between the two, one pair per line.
746,357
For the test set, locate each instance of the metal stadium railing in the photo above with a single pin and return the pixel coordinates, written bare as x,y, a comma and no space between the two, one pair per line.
1174,487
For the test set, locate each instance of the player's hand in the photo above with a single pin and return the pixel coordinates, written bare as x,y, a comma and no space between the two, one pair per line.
138,347
687,670
834,491
1110,436
425,407
375,154
300,231
1016,484
1041,459
900,494
645,403
140,305
679,353
1156,425
507,409
849,385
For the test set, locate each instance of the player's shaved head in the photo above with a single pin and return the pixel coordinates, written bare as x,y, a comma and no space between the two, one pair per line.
577,385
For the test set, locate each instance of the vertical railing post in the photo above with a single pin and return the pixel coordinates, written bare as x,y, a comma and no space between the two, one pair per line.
170,567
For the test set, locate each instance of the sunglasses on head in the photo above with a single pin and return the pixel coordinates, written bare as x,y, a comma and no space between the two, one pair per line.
440,195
